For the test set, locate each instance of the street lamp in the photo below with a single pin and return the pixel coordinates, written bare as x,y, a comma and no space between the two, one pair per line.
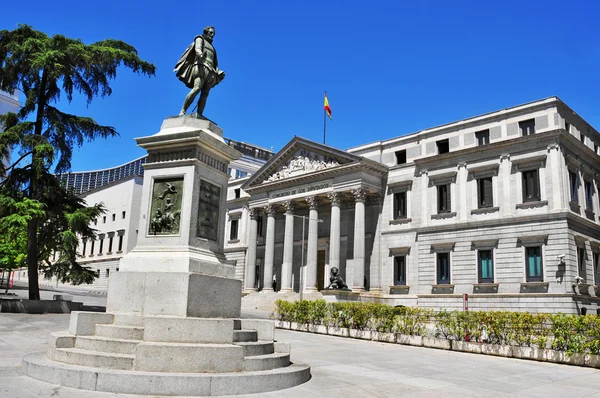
302,253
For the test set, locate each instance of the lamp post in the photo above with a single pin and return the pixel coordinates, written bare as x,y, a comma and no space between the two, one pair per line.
302,253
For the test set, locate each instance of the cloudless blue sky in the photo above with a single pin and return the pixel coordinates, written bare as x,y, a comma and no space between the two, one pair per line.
389,67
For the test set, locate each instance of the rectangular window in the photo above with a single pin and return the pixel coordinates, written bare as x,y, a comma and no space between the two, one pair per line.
485,197
443,146
101,246
92,248
110,242
114,217
581,262
533,264
107,272
485,262
401,156
83,248
400,270
104,220
567,127
589,194
233,233
399,205
527,127
123,215
237,193
443,268
573,186
483,137
120,243
531,186
259,226
582,138
443,196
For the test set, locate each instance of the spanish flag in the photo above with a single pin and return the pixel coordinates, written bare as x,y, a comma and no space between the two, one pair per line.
327,107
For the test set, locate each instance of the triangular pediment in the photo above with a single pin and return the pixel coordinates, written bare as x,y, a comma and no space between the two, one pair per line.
299,157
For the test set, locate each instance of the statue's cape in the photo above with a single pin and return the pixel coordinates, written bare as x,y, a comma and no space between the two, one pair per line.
184,69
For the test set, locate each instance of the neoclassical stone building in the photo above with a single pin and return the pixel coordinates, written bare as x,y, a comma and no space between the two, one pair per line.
502,207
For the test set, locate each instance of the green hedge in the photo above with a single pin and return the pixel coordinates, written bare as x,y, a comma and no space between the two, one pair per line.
570,333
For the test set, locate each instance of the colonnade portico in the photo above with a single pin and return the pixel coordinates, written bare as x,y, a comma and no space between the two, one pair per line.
290,209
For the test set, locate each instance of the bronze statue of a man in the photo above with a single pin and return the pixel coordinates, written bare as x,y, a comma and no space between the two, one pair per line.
198,69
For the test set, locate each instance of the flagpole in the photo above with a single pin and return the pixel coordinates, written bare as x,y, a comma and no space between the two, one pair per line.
324,125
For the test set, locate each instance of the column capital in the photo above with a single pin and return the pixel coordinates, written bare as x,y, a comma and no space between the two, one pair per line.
254,212
553,146
271,210
360,194
313,202
462,165
504,156
289,206
335,197
376,199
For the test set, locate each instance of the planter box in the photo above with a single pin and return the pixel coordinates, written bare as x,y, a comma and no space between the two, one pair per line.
466,346
592,361
416,341
360,334
441,344
563,357
319,329
497,350
385,337
342,332
532,353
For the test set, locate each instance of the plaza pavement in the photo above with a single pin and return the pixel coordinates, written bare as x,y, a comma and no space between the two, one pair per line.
340,367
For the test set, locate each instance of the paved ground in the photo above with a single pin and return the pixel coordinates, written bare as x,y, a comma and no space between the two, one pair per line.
340,368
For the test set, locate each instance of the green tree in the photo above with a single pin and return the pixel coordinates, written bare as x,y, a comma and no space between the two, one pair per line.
45,68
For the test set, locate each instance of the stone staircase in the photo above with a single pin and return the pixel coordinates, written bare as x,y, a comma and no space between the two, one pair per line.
111,351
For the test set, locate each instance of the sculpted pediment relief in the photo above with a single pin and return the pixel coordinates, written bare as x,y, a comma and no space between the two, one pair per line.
302,162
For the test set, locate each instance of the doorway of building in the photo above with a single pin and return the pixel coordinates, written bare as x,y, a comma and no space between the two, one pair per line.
321,270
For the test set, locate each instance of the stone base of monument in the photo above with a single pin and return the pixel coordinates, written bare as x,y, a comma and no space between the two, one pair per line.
166,356
172,325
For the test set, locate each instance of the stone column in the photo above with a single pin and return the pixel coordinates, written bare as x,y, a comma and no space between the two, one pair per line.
269,249
358,284
335,233
288,247
461,198
556,174
310,284
251,254
506,204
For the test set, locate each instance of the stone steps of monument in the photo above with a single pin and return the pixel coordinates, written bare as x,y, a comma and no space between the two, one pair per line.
267,362
39,367
106,344
94,359
253,348
128,320
245,335
120,332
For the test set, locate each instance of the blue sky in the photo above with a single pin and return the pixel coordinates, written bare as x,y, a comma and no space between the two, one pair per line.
389,67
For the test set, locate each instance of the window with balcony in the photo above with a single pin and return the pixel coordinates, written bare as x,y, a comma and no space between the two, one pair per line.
531,186
443,268
400,270
485,266
400,205
533,264
485,193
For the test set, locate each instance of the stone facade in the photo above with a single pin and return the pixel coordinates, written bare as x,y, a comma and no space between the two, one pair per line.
502,207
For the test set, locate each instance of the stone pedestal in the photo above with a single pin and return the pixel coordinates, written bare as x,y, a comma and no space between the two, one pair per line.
172,325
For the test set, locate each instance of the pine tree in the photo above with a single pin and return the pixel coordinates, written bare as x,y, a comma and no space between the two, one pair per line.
45,68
